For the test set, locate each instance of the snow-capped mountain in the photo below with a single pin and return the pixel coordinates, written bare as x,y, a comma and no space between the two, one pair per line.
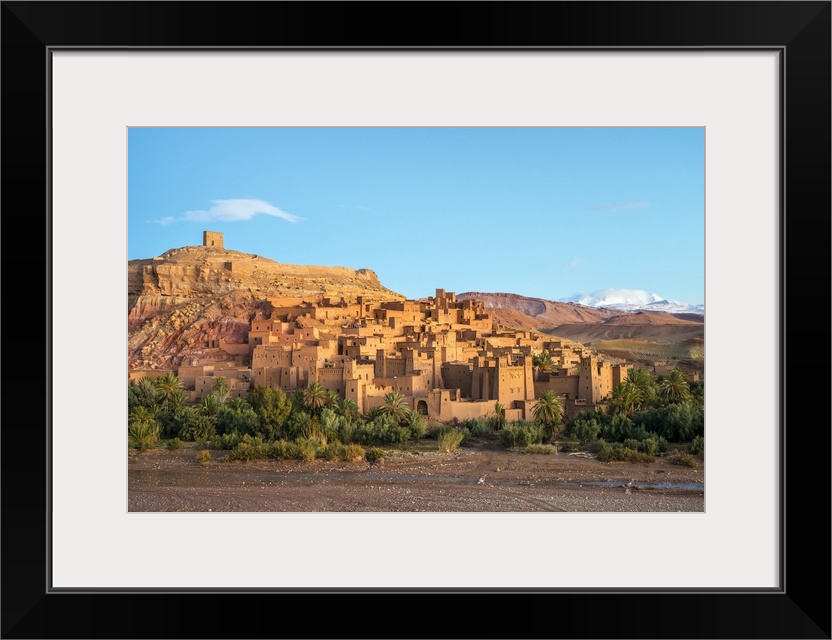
633,300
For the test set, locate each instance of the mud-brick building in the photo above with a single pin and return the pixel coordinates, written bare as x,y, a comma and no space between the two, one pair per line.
212,239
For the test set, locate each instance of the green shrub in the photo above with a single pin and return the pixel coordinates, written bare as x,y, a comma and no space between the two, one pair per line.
244,451
677,422
605,451
683,458
383,429
143,435
619,452
570,445
631,443
227,440
316,431
450,439
200,428
346,430
307,449
650,446
329,425
297,425
508,436
374,454
620,427
521,434
352,452
697,447
243,419
634,455
283,450
174,444
545,449
417,424
330,451
653,445
476,427
249,449
204,457
585,429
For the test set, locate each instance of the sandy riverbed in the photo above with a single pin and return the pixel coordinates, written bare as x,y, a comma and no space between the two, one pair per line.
483,478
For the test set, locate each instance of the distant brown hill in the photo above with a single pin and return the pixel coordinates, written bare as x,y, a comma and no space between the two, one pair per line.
648,317
668,333
515,311
693,317
587,324
182,304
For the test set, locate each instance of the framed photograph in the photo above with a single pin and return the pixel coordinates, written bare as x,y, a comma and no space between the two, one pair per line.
752,77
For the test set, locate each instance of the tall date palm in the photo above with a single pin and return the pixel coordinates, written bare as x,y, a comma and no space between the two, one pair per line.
395,406
315,397
674,387
548,413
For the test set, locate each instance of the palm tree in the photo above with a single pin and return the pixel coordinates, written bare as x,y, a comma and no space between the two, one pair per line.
642,379
177,400
167,386
141,415
499,416
674,387
296,399
543,362
395,406
238,404
347,408
143,429
548,412
221,389
626,397
315,397
209,405
331,398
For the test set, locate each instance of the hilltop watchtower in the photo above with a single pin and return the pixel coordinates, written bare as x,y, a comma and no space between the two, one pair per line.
212,239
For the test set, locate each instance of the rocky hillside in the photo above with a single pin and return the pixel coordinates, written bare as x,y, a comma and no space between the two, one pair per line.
185,303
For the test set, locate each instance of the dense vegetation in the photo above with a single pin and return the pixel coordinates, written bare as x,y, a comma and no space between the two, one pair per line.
310,423
646,415
313,422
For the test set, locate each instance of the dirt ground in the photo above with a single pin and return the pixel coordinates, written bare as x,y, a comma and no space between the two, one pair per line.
480,478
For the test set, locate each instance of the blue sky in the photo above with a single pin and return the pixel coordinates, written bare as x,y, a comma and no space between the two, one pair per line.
542,212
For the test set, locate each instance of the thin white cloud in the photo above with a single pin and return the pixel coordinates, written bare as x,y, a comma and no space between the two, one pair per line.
619,206
231,211
574,263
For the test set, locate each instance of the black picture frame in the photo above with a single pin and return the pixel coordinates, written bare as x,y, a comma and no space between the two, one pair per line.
800,608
